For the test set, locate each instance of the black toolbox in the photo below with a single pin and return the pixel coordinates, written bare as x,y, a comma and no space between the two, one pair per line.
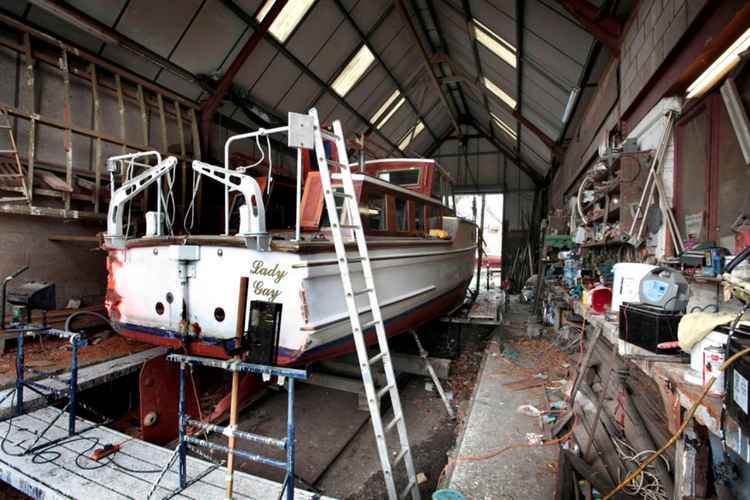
737,378
647,326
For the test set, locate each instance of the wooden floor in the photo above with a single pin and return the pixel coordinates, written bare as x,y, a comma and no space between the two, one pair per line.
65,471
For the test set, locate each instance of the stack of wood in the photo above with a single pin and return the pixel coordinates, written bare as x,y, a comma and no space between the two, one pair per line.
617,419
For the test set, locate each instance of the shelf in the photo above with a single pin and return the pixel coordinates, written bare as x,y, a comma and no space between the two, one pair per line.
606,243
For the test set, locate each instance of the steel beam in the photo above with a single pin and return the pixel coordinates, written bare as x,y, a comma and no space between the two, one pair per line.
212,104
235,9
604,27
426,60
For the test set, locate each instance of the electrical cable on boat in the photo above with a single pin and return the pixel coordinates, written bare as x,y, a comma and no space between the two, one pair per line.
190,212
685,422
70,318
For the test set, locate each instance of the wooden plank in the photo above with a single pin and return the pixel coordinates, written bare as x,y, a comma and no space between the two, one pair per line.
68,137
89,376
54,182
121,111
31,109
10,208
111,480
144,135
98,160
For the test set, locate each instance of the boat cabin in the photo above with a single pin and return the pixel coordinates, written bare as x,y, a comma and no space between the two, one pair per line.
397,197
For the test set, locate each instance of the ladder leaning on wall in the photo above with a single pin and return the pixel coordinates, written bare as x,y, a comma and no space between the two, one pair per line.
353,221
12,177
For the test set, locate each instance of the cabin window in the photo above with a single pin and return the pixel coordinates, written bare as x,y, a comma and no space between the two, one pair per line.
419,217
402,215
436,220
408,177
437,185
374,213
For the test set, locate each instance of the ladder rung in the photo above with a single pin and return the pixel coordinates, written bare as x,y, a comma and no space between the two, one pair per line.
19,198
7,151
5,176
382,392
349,226
361,292
367,325
335,163
409,487
392,423
339,194
376,358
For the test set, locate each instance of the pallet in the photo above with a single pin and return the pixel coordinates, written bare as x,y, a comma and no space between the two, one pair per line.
60,477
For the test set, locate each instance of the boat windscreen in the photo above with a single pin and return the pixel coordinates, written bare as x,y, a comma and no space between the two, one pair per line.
406,177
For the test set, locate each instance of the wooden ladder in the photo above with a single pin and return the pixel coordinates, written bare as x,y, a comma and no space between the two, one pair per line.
9,149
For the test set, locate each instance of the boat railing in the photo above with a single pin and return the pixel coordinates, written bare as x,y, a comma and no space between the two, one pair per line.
299,131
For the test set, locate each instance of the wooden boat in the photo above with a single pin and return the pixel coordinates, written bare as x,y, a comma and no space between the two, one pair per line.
181,291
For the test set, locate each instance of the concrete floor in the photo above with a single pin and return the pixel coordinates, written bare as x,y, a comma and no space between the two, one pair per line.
495,427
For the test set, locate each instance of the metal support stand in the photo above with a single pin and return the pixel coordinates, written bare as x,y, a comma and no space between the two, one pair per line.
235,366
50,394
433,375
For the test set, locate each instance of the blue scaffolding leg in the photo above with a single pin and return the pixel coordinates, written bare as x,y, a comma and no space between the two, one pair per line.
290,440
181,424
19,373
73,386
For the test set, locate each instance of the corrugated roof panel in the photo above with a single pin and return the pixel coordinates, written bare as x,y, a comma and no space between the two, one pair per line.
543,122
310,36
367,86
366,13
257,63
334,53
105,12
500,17
386,32
54,24
157,25
16,7
325,106
300,96
276,81
215,23
179,85
131,61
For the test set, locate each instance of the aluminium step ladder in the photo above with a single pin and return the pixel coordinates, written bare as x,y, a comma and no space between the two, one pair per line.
351,216
8,149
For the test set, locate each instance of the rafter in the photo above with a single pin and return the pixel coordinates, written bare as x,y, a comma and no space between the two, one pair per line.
250,20
604,27
426,60
214,102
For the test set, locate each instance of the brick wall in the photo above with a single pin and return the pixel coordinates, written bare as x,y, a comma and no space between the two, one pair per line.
651,34
77,271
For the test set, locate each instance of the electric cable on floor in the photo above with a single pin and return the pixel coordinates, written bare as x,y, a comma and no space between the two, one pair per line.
680,430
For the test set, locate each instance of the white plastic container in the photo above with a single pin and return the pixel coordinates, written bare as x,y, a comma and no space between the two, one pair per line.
626,285
713,339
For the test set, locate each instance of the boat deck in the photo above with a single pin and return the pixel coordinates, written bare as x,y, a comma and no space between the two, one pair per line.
64,471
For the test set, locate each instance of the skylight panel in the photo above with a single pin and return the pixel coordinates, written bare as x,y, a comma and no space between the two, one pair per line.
410,135
500,93
504,127
288,18
391,113
385,106
495,43
353,71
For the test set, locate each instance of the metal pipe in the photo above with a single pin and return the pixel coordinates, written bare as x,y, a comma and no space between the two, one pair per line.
234,366
290,440
262,132
19,373
7,280
73,385
228,431
299,192
181,427
240,453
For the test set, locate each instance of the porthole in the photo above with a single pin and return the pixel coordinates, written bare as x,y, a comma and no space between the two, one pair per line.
170,298
159,308
219,314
